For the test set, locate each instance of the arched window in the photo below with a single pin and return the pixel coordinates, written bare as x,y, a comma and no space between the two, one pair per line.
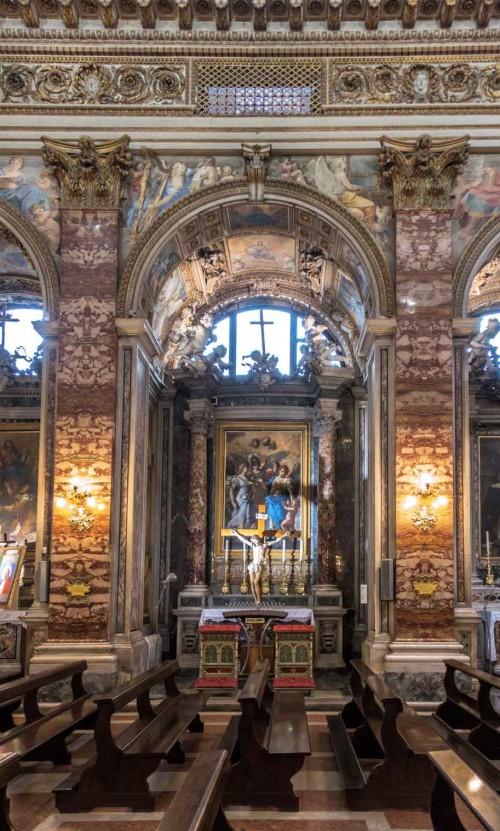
18,336
278,332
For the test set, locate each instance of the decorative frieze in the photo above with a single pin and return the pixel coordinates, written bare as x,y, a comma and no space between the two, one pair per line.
414,83
238,86
94,83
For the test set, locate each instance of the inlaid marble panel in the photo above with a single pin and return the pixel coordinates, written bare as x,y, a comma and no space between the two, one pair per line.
86,402
424,427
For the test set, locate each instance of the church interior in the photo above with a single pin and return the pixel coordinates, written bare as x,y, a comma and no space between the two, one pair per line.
249,415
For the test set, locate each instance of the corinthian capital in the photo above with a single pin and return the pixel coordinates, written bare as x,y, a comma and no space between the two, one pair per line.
328,415
90,172
421,173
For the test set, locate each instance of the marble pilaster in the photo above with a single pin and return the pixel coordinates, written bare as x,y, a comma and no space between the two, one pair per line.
422,175
137,649
377,349
80,588
194,595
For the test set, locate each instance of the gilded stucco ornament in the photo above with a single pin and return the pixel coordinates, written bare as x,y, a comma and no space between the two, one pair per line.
256,163
91,173
421,173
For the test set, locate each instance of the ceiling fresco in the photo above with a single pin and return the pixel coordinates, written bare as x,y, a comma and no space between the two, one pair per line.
228,253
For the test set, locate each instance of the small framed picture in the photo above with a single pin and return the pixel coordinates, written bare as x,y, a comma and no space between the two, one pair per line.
11,562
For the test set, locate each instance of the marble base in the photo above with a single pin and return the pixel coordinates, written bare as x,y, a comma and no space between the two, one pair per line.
137,653
467,623
329,618
415,669
374,650
417,686
102,661
191,602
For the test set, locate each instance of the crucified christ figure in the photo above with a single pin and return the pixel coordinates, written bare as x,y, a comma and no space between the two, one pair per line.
256,568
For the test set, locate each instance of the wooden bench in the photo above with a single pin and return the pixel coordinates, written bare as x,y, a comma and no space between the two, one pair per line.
197,804
42,737
118,774
389,730
9,769
272,742
455,777
463,711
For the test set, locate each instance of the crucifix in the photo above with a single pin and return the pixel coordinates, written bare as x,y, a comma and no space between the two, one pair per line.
261,322
5,318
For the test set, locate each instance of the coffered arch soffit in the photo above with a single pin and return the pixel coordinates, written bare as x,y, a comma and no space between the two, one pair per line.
476,282
223,218
42,277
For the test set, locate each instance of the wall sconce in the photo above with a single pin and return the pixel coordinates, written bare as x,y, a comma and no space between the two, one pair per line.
80,501
425,516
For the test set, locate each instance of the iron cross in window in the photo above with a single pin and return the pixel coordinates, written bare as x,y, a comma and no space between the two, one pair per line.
261,322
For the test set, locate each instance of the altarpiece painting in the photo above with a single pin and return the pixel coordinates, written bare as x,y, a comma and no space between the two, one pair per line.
489,494
263,469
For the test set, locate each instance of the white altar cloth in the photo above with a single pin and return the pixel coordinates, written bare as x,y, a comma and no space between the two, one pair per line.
293,615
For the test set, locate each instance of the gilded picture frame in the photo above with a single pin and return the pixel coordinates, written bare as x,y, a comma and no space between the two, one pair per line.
488,470
11,563
262,464
19,453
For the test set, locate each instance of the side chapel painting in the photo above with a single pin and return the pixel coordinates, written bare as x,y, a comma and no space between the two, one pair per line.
27,185
489,494
18,484
263,465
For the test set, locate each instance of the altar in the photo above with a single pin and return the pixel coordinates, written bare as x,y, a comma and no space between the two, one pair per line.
232,640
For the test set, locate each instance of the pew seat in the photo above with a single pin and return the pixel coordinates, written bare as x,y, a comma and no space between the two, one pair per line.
454,776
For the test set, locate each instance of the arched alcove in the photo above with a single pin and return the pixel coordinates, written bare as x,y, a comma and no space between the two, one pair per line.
331,219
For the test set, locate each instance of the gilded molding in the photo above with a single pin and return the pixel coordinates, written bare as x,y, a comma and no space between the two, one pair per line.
421,173
90,173
37,250
256,164
168,222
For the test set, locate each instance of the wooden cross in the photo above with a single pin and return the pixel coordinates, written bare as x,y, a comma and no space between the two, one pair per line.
261,322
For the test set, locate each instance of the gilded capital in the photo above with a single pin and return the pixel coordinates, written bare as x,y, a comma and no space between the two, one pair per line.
90,172
421,173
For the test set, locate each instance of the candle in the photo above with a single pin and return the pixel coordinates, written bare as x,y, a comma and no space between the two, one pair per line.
226,551
300,550
284,551
244,556
487,542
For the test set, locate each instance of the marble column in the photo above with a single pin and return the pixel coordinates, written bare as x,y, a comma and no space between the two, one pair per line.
195,594
421,175
138,648
91,176
327,597
360,497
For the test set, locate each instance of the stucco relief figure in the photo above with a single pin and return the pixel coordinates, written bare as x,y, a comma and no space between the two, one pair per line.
257,567
483,356
325,352
191,341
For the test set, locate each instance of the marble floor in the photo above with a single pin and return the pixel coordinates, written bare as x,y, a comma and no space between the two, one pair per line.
318,784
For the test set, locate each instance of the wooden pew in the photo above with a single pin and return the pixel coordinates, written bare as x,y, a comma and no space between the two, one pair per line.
463,711
118,775
9,769
386,729
272,742
454,776
197,804
42,736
